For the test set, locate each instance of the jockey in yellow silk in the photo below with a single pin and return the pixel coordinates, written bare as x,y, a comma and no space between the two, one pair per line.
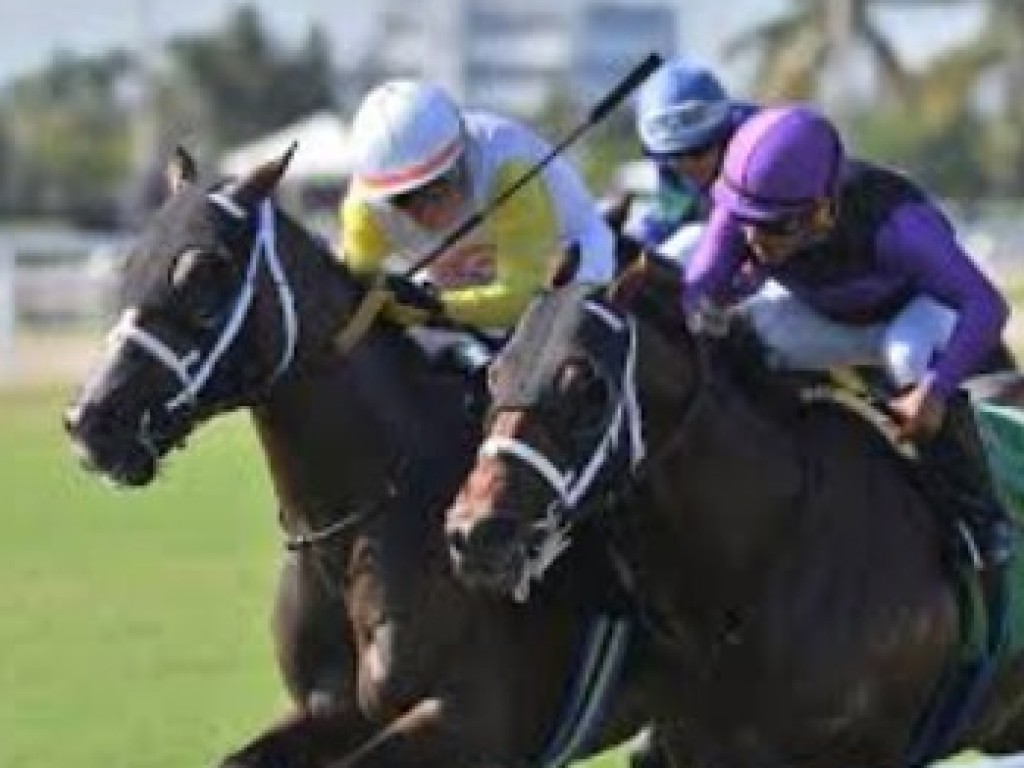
421,166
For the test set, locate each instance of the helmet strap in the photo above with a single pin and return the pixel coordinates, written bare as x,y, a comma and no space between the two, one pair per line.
823,214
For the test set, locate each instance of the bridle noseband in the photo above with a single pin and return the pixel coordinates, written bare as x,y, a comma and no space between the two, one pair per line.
625,423
194,369
623,429
573,488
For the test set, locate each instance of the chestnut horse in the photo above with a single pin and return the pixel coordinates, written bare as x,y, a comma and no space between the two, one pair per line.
388,660
783,549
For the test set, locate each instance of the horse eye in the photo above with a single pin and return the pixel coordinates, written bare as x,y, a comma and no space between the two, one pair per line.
187,264
199,278
574,377
206,314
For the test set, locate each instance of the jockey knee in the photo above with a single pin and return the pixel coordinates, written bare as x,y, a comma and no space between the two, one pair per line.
914,337
905,363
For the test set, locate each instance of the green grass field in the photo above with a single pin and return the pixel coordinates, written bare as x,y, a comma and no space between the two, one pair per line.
133,625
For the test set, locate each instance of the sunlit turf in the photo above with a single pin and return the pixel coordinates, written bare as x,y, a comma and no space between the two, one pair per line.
133,624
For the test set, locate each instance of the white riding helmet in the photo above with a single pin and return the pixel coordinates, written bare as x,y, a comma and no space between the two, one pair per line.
404,135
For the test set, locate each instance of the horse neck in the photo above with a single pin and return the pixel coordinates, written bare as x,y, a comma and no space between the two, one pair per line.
726,477
339,428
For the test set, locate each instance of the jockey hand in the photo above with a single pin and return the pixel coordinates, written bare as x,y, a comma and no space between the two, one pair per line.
708,318
412,303
919,412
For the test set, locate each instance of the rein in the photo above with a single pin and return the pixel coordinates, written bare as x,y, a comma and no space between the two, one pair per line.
295,542
694,404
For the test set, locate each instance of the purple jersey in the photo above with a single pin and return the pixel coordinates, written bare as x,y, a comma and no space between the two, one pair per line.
890,244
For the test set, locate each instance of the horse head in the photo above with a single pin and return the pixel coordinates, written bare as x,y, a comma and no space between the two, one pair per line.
209,321
569,423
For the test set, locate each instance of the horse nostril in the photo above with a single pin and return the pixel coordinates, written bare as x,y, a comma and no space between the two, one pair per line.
87,423
72,419
492,538
457,542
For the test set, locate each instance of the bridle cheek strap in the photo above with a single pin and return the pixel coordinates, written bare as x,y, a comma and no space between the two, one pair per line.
571,487
264,249
498,445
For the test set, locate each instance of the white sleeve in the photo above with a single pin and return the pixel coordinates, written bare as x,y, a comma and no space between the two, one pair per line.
581,222
597,253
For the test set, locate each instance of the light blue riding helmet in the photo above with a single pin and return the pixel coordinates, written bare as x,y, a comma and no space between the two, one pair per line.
680,108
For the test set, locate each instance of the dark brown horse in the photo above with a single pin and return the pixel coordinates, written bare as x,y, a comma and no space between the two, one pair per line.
388,660
782,549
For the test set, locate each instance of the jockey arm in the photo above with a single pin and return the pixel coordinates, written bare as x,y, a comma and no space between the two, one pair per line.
522,237
919,242
517,245
715,267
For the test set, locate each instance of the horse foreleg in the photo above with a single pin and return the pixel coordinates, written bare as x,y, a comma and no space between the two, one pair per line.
317,661
303,739
425,736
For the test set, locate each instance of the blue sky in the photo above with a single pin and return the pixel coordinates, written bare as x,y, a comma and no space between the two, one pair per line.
31,30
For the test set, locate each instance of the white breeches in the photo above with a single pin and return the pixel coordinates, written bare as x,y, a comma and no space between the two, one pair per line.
799,337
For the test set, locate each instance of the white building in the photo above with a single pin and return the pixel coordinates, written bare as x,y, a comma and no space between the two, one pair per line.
512,57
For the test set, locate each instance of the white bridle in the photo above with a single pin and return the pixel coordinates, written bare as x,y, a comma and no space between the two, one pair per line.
193,369
572,485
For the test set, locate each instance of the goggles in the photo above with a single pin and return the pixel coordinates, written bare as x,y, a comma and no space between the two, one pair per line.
782,226
684,129
437,191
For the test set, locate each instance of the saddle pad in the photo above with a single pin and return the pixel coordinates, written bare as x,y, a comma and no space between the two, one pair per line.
1002,429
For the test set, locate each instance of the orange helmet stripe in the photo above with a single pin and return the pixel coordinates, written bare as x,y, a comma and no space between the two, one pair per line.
425,169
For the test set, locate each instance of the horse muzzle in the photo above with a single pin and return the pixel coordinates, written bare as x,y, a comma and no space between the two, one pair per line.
104,443
489,554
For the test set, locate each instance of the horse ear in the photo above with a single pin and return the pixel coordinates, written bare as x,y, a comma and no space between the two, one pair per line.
615,209
564,269
181,169
624,289
260,182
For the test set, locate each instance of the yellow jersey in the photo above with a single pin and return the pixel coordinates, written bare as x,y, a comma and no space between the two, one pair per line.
489,276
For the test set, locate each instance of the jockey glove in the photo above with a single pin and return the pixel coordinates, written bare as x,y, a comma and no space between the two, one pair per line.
708,318
413,303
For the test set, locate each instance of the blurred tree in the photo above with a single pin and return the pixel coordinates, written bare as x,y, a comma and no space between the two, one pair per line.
67,133
980,86
85,138
946,158
796,53
7,163
246,84
602,149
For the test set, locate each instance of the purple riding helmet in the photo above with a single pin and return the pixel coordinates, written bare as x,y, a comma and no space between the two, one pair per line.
779,164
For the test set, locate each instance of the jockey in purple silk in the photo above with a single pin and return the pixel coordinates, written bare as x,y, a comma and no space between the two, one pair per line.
873,273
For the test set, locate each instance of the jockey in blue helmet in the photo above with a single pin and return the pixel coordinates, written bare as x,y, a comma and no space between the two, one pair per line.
684,119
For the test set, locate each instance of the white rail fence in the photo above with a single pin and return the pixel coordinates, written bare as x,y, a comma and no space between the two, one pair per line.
58,289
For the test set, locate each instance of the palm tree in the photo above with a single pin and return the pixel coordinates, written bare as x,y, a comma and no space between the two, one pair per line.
799,52
983,80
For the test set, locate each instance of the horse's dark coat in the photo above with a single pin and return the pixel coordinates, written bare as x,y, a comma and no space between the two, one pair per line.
388,660
789,560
